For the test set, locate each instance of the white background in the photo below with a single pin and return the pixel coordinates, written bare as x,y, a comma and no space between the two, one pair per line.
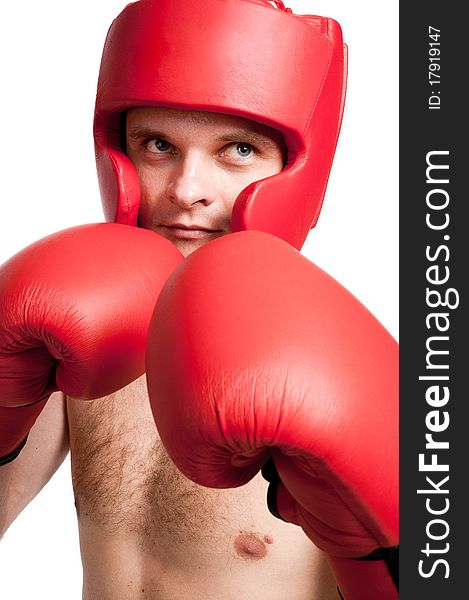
50,58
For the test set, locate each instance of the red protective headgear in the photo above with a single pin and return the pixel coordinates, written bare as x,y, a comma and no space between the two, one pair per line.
240,57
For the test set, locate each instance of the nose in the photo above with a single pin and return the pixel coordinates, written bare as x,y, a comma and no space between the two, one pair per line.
192,181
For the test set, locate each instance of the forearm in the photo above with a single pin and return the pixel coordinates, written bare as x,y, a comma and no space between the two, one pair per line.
44,451
5,494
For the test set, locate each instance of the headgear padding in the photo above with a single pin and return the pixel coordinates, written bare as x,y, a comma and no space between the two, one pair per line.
239,57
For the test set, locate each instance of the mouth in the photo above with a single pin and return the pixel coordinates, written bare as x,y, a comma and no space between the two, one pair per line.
188,232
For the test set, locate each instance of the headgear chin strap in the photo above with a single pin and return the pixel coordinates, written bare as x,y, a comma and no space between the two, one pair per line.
240,57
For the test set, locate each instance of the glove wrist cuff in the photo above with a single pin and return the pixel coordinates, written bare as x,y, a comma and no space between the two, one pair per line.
368,577
13,454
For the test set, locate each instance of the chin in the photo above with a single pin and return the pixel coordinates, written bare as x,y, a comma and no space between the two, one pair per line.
187,247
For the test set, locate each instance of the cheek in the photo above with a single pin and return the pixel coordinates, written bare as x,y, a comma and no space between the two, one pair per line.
148,182
151,191
152,185
230,188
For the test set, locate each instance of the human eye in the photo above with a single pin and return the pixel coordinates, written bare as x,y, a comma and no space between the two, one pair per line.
158,146
244,150
237,151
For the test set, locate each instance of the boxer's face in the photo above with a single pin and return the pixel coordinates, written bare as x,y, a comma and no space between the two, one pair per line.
192,165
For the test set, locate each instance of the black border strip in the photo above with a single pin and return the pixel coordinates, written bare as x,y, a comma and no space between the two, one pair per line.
424,130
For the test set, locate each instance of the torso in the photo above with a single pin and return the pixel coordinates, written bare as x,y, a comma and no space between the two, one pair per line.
148,532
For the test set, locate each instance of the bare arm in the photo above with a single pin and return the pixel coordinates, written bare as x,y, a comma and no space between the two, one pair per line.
44,452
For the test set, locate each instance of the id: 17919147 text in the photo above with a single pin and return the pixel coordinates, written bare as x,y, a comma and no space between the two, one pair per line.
434,67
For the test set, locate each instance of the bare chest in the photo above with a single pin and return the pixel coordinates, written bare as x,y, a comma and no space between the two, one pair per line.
133,503
123,478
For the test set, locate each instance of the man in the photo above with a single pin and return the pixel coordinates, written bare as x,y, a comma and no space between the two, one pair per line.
164,531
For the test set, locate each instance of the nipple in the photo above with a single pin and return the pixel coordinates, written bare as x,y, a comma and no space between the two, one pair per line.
251,546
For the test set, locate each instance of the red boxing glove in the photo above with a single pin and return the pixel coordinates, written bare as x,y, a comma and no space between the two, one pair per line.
74,314
257,358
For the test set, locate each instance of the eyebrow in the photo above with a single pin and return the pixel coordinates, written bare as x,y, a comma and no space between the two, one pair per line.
249,137
141,131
